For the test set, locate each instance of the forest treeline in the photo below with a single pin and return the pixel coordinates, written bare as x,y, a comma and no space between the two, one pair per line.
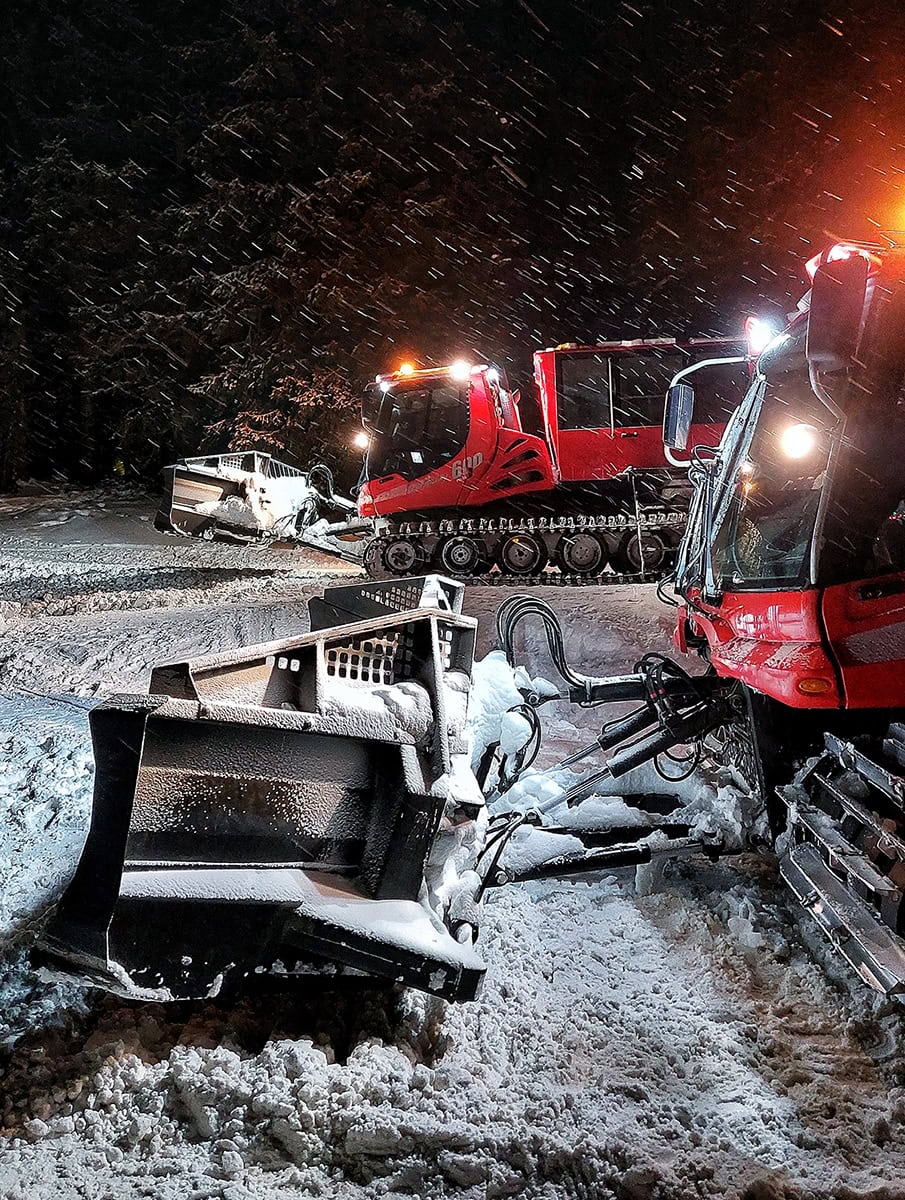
219,219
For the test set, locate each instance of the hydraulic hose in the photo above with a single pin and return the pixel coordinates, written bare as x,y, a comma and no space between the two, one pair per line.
510,615
323,471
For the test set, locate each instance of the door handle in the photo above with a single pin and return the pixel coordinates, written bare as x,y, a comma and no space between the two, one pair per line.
623,433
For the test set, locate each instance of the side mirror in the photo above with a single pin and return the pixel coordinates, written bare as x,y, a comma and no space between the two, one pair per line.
370,406
677,416
837,308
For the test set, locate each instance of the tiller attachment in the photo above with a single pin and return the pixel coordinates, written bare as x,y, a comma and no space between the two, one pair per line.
251,497
294,807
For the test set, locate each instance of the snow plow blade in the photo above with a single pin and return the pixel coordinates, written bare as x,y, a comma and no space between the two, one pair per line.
285,809
252,497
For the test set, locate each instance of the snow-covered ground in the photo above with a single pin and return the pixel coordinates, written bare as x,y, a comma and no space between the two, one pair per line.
690,1042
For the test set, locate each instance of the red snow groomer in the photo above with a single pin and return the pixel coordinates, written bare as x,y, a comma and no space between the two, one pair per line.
463,473
791,582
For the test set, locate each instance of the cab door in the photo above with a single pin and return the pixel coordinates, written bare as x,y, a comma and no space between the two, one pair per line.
610,411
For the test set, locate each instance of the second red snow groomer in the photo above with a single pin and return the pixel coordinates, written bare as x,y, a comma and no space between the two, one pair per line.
464,473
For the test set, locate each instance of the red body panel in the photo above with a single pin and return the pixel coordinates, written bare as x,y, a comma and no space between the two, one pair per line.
772,641
853,633
609,451
865,627
604,454
498,460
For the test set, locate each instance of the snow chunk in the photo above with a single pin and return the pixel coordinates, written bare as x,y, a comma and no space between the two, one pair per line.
515,731
495,690
493,693
365,709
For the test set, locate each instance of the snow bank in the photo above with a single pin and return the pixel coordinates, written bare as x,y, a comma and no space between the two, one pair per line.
614,1052
46,773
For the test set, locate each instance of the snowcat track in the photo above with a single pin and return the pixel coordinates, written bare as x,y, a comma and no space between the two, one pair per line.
426,538
557,579
846,854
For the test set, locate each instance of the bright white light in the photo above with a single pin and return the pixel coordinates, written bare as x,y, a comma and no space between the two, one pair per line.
385,385
406,368
460,370
797,441
361,440
758,334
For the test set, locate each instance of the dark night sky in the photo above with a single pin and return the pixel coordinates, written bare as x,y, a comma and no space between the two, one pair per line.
212,209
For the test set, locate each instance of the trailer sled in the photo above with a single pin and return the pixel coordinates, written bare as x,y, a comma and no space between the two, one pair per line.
252,497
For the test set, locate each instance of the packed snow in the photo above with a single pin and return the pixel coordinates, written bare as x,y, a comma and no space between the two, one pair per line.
692,1041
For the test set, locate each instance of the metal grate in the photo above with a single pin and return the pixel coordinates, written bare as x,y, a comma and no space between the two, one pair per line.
376,659
238,461
275,469
398,596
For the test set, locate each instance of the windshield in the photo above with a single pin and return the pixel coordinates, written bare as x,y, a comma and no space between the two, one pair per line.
768,490
417,430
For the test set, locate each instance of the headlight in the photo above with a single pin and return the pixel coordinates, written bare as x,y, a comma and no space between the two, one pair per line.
361,440
798,441
758,334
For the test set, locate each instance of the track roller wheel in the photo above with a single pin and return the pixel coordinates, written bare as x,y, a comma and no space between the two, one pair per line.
373,560
580,553
521,554
461,555
402,557
646,551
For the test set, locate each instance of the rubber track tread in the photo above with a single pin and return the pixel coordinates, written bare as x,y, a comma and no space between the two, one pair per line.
478,527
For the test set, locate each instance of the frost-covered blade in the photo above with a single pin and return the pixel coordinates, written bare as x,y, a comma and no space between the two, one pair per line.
291,807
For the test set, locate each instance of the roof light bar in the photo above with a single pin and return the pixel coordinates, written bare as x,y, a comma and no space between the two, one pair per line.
840,251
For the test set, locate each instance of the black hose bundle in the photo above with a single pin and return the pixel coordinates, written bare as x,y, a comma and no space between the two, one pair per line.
655,668
503,826
523,758
321,470
510,615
